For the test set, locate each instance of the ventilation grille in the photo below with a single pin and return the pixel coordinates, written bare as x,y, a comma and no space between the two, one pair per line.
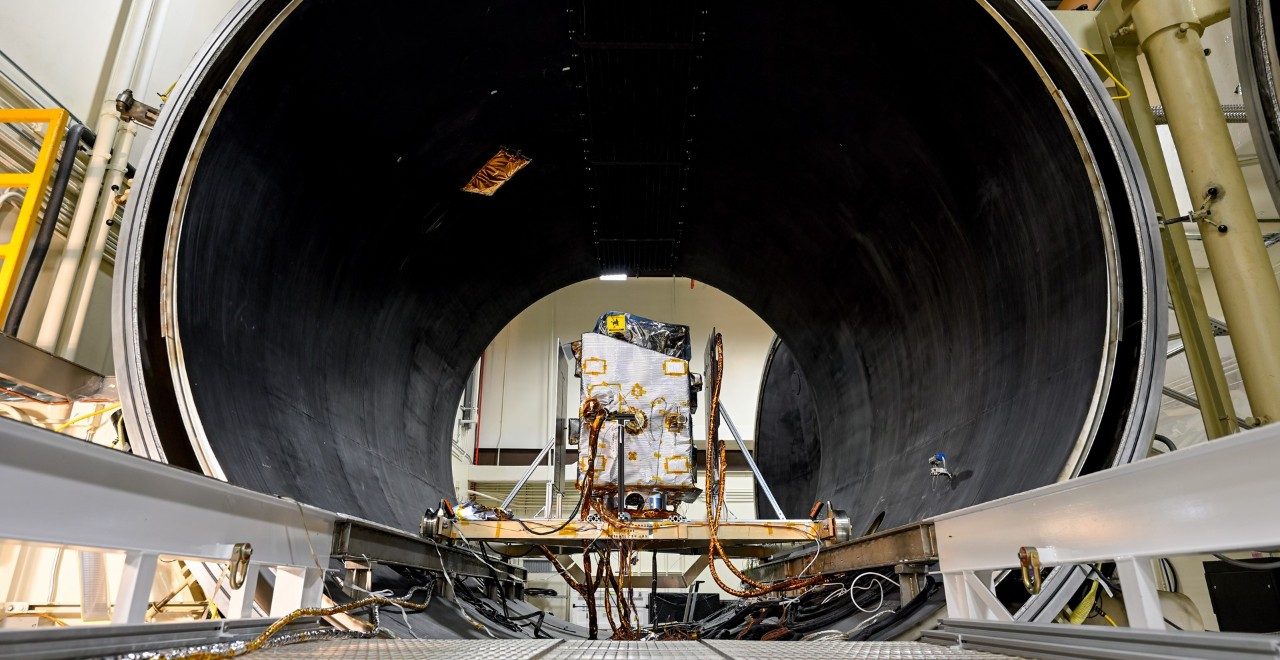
538,566
529,502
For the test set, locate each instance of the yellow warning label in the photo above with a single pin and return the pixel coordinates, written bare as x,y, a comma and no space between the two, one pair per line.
615,323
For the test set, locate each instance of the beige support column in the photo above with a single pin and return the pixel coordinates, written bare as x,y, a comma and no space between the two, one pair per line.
1170,37
1203,359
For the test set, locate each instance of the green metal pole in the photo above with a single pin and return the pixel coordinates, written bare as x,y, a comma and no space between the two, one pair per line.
1203,359
1170,36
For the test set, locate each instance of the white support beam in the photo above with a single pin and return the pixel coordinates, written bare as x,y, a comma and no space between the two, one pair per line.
982,601
99,498
959,603
1202,499
1196,500
134,594
296,588
240,601
1141,600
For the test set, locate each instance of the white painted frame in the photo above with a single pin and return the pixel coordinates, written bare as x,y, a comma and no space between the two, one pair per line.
70,493
1203,499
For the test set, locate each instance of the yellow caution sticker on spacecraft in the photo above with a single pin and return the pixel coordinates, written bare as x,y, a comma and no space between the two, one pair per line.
615,323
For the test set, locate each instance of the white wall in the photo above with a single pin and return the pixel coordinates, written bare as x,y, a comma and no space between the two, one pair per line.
64,45
516,404
69,46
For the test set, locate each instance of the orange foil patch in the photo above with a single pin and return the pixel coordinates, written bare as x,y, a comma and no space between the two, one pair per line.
497,171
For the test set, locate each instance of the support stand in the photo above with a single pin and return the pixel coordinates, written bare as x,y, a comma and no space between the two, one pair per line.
751,462
621,459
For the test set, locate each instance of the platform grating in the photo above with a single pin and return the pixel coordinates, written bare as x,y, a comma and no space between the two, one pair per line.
506,649
832,650
415,649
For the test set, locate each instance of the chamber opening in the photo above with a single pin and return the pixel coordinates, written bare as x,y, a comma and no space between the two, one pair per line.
949,256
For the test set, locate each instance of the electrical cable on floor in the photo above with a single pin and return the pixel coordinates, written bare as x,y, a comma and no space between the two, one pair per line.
823,636
867,622
467,594
878,582
454,587
900,614
269,636
408,598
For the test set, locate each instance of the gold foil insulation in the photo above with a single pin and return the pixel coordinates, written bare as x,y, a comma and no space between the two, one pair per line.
497,171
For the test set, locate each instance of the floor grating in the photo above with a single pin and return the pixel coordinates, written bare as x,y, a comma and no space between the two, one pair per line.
507,649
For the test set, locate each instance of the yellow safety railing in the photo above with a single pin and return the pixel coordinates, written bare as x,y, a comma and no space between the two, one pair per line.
14,251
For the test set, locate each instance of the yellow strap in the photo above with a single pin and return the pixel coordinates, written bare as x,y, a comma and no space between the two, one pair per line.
1125,90
87,415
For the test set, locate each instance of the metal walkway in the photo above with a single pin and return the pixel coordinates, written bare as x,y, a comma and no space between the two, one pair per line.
433,649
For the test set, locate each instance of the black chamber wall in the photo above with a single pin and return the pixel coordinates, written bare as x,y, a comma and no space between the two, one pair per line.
906,208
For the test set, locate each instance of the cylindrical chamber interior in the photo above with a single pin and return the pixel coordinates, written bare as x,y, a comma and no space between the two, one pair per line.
949,267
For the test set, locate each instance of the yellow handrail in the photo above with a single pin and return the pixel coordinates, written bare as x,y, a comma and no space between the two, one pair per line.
13,254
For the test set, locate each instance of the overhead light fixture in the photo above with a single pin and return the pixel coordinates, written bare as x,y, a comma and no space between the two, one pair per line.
495,172
614,277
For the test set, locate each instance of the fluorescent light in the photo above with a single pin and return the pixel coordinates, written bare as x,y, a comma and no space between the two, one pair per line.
614,277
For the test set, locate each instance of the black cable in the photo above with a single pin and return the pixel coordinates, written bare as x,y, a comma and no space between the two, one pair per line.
537,627
902,612
465,592
497,584
76,134
1268,566
528,551
564,524
1171,575
1103,579
1166,442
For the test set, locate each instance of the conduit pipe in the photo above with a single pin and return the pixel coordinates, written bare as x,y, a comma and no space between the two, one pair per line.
132,68
144,63
78,234
82,291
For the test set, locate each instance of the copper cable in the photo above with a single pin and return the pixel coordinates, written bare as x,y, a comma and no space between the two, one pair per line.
715,505
780,631
594,415
262,639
